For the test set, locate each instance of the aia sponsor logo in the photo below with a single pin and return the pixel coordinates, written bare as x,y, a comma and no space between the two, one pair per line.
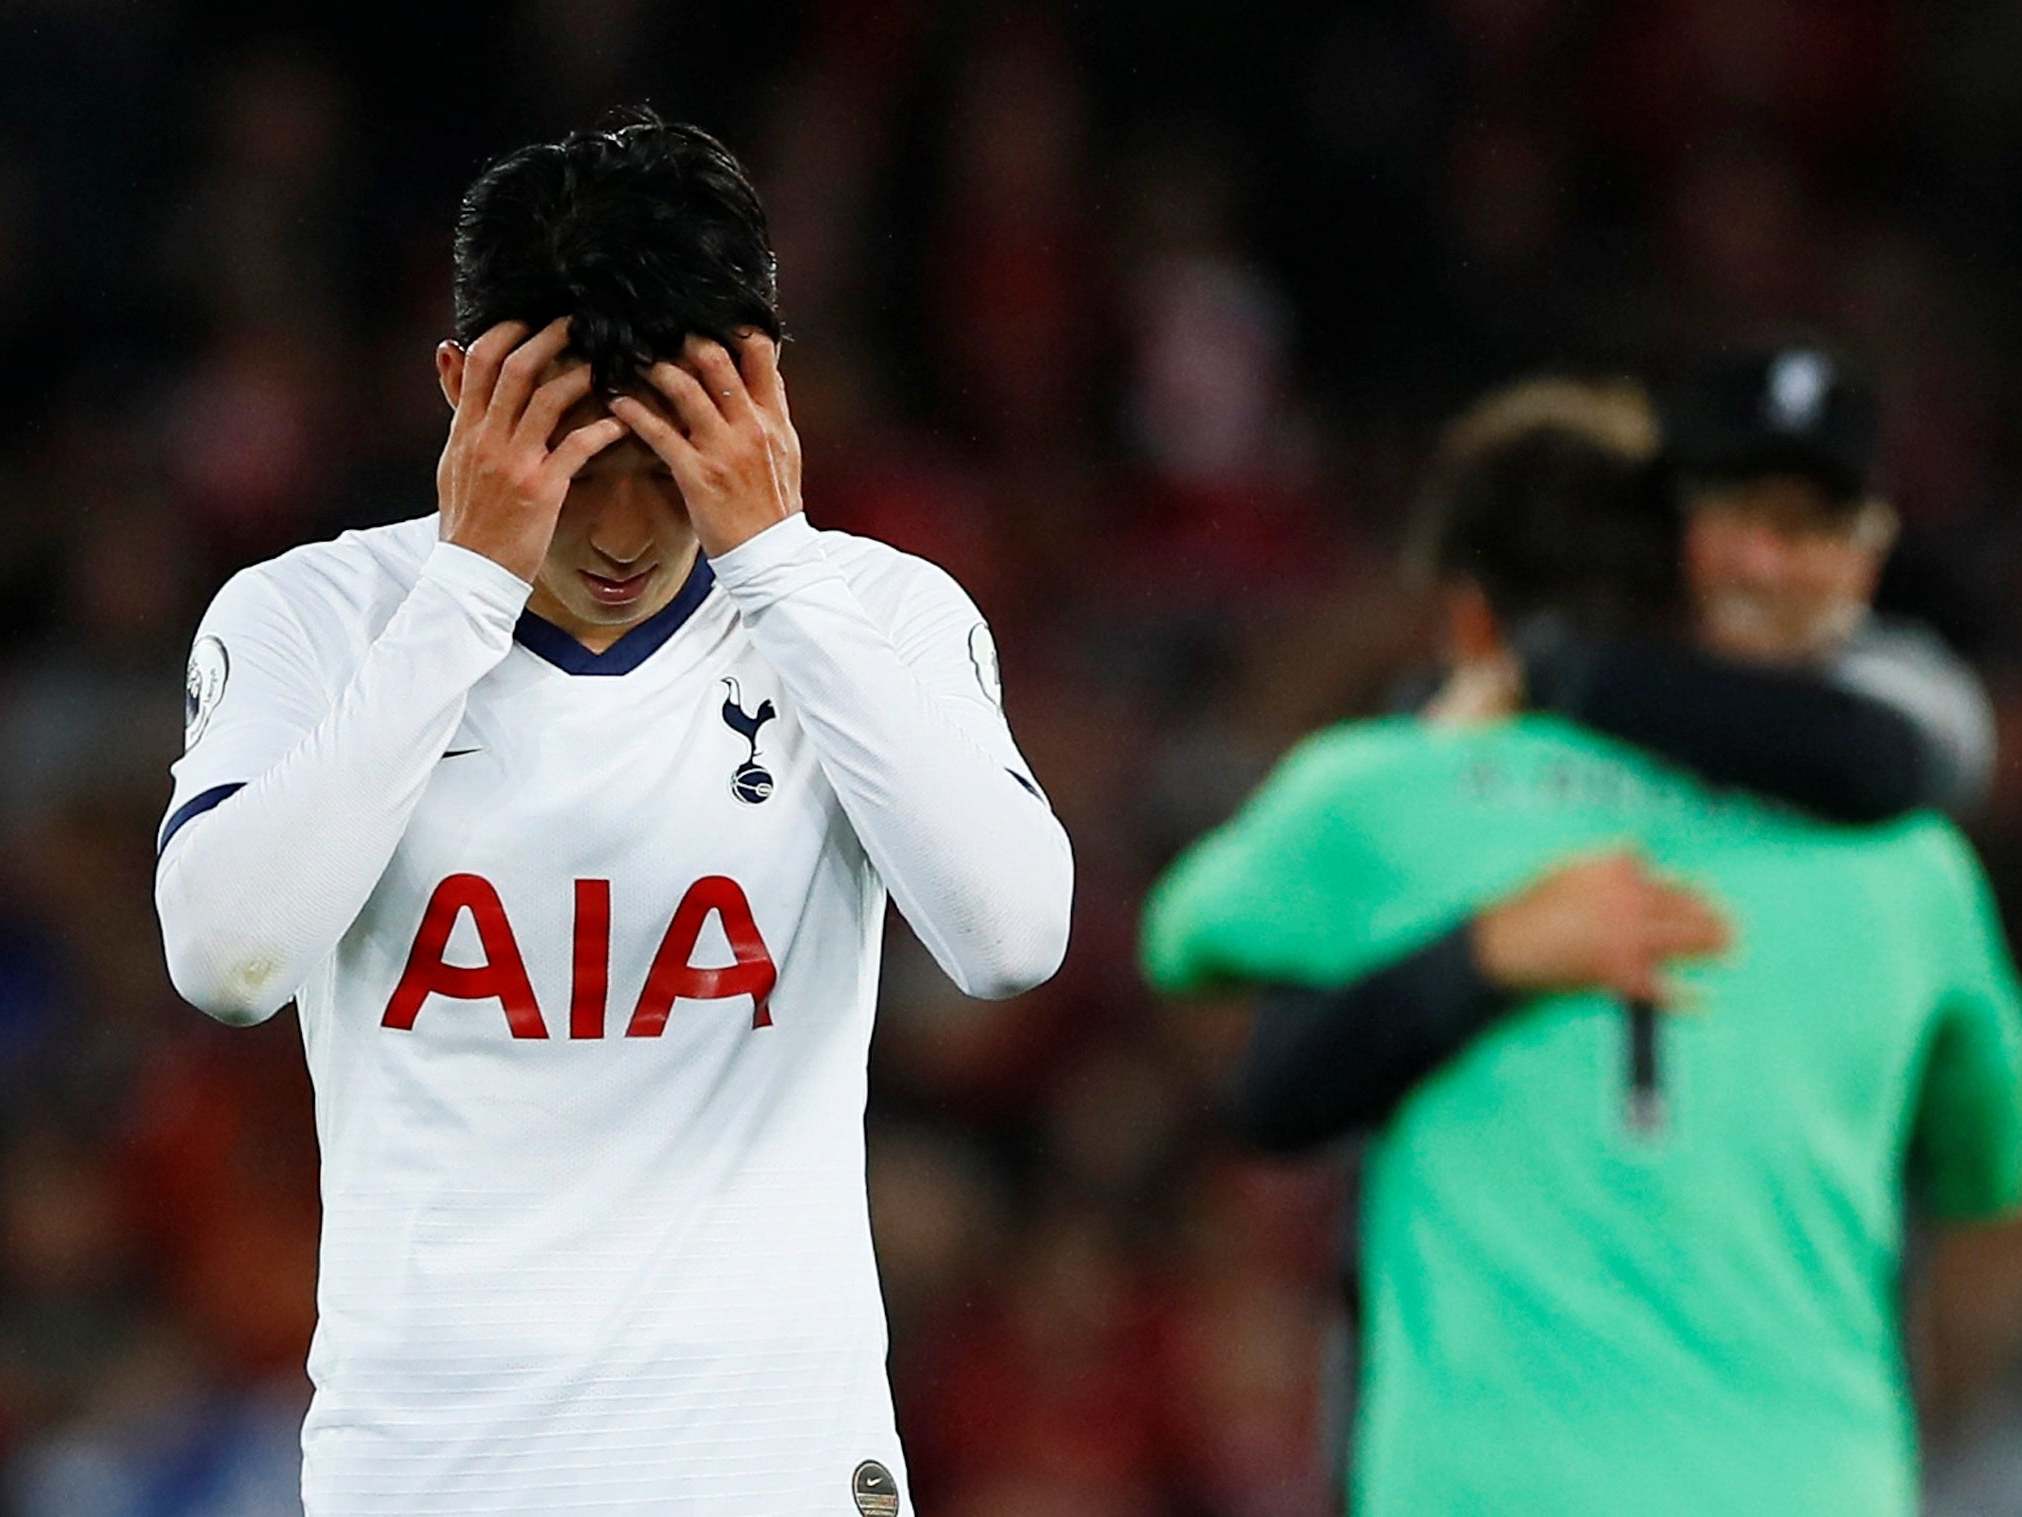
502,977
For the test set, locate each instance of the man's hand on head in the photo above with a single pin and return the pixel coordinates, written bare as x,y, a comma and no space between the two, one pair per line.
499,485
731,444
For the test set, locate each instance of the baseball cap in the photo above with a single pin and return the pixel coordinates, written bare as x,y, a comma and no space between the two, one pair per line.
1789,410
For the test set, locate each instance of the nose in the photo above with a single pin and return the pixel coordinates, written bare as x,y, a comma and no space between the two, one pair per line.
623,531
1761,553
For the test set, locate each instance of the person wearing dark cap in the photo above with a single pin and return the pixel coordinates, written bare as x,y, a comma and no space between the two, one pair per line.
1748,713
1607,1269
1786,536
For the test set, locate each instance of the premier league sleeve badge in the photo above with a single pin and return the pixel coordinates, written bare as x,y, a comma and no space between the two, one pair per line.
983,654
203,687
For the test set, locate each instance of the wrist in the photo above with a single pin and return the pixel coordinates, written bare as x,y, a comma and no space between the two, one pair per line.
479,574
517,562
1454,981
490,595
720,539
780,544
1493,950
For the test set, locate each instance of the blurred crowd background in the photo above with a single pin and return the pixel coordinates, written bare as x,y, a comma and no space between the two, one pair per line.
1135,316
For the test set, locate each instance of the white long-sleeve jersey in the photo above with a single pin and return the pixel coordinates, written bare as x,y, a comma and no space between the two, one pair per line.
585,950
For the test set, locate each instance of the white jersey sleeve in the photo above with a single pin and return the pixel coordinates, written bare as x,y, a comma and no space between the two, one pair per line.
299,775
1907,666
893,674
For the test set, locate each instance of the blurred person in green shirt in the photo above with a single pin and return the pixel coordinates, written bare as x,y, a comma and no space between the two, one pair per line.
1571,1308
1792,687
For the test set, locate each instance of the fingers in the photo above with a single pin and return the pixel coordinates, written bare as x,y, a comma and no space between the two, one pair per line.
1641,982
1677,925
518,375
1636,973
1634,926
700,420
1676,903
717,371
1672,947
1686,923
481,368
758,362
658,433
579,447
550,403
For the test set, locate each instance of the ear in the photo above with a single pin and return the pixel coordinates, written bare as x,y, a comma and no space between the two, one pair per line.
449,371
1877,526
1472,631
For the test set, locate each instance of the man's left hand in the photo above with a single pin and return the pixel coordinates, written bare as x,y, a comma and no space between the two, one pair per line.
731,444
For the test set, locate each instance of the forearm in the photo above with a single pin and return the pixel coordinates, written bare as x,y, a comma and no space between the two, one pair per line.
1784,734
257,889
1282,892
1324,1064
977,863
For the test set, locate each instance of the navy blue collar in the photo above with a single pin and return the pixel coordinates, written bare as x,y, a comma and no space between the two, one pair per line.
541,637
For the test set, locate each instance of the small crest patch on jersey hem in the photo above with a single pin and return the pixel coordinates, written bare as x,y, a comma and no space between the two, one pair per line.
876,1493
203,686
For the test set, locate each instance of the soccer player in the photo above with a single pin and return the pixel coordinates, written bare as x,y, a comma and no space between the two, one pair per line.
1323,1065
1579,1301
567,817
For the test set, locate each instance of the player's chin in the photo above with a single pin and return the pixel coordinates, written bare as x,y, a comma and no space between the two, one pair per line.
1742,628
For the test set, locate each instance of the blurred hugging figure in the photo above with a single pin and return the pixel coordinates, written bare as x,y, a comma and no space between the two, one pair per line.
1567,1311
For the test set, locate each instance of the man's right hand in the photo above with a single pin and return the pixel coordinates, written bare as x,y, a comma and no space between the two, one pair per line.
499,484
1602,923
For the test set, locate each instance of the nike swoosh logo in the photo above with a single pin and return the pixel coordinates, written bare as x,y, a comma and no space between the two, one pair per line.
460,752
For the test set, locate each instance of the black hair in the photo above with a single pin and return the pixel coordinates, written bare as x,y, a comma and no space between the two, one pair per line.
642,231
1551,519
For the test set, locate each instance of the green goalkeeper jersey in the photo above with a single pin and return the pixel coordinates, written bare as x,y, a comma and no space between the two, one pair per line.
1566,1315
